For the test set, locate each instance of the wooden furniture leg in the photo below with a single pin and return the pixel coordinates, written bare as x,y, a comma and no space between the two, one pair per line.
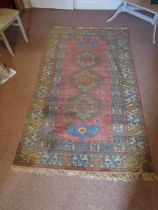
10,17
4,38
22,28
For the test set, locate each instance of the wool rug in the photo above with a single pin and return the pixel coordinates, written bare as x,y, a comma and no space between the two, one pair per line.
86,117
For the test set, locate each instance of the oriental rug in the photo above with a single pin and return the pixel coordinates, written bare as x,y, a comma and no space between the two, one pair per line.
86,117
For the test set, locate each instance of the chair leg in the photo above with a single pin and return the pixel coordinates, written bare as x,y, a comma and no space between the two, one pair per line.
22,29
6,43
122,8
154,23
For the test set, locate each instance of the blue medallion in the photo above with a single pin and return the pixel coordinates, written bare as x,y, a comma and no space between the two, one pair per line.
83,131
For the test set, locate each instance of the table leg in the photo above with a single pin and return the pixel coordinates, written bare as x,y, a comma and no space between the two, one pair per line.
122,8
154,23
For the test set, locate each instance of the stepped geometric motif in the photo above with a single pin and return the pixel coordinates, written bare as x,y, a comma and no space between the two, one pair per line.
83,106
85,80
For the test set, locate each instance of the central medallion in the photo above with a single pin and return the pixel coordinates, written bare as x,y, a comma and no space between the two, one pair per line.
86,59
85,80
84,107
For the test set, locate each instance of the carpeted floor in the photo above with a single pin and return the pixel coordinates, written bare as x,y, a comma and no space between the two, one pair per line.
37,192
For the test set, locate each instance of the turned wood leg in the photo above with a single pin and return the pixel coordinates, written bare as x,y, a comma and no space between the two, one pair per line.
22,29
6,43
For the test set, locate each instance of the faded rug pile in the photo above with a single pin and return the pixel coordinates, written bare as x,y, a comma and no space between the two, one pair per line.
86,117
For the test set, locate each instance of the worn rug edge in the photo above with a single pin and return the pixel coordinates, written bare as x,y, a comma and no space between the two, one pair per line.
109,176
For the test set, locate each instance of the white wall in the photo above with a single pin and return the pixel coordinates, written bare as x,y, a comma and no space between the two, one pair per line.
78,4
97,4
56,4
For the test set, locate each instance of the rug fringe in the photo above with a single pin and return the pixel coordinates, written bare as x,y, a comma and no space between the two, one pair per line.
109,176
91,27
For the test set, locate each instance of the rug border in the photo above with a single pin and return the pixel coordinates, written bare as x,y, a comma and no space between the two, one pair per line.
140,102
